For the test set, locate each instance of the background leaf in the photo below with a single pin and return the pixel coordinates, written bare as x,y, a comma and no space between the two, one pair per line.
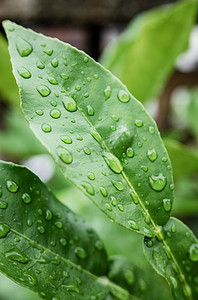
144,55
181,267
98,134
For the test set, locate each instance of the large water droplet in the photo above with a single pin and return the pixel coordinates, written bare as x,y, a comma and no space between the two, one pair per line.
64,155
91,176
55,113
103,191
157,182
26,198
152,155
4,229
113,162
66,139
46,128
23,72
80,253
52,80
16,255
3,204
123,96
133,224
118,185
90,110
12,186
24,48
43,90
167,205
89,188
193,252
54,62
107,92
69,104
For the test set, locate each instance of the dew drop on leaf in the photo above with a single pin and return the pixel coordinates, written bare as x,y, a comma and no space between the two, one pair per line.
167,205
113,162
80,253
87,150
43,90
69,104
151,130
46,128
52,80
193,252
66,139
26,198
152,155
108,206
157,182
64,155
12,186
130,152
123,96
113,200
55,113
90,110
4,229
91,176
133,225
48,51
48,215
41,229
103,191
59,224
40,65
138,123
54,62
118,185
23,72
23,47
98,138
134,196
39,112
148,242
88,188
16,255
107,92
63,242
3,204
120,207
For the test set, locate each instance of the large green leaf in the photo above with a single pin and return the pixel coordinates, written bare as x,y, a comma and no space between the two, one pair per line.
46,247
8,87
97,132
144,55
175,257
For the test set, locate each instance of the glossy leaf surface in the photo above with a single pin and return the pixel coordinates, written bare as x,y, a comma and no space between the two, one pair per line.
44,245
144,55
176,258
96,131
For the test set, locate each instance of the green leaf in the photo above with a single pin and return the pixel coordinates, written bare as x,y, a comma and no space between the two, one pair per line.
8,87
192,112
144,55
184,159
44,245
97,132
175,258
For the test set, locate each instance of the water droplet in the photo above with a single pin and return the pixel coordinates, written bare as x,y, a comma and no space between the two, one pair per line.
52,80
70,287
107,92
40,65
157,182
108,206
32,280
113,200
113,128
120,207
89,188
54,62
187,291
86,59
12,186
46,128
115,118
91,176
147,231
151,129
26,198
87,151
43,90
55,113
23,72
152,155
86,95
4,229
98,138
123,96
171,186
134,196
88,79
29,223
59,224
90,110
41,229
99,245
118,185
80,253
130,152
64,155
103,191
3,204
138,123
23,47
48,51
66,139
39,112
144,168
167,205
173,228
113,162
148,242
164,159
69,104
16,255
48,215
193,252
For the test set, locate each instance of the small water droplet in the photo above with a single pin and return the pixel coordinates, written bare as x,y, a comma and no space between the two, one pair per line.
40,65
123,96
26,198
89,188
55,113
103,191
113,162
108,206
86,95
59,224
115,118
52,80
64,76
86,59
3,204
4,230
91,176
87,150
66,139
43,90
120,207
171,186
46,128
16,255
113,200
187,291
48,215
167,205
41,229
90,110
32,280
23,72
107,92
69,104
12,186
134,196
148,242
118,185
138,123
130,152
54,62
39,112
80,253
48,51
64,155
99,245
193,252
157,182
151,129
173,228
24,48
152,155
98,138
